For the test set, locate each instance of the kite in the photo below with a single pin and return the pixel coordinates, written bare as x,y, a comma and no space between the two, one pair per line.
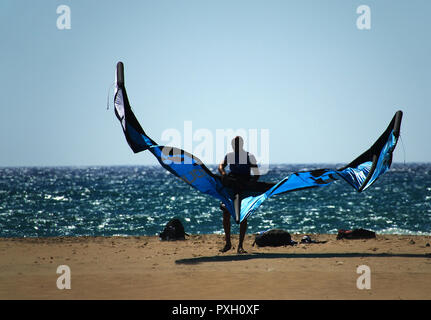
241,199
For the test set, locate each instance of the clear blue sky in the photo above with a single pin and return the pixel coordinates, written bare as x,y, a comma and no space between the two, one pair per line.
301,69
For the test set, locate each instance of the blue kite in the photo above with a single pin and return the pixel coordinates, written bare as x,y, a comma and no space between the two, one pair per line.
242,200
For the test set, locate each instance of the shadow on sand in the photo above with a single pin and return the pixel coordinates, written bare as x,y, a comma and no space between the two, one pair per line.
240,257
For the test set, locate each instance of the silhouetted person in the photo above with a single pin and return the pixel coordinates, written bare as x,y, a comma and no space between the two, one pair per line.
241,163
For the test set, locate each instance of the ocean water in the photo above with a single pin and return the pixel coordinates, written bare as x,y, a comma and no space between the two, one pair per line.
106,201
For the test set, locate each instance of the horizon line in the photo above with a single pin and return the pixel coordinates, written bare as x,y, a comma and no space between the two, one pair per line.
158,165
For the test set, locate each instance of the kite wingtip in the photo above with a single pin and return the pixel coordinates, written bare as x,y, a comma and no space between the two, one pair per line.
120,73
397,125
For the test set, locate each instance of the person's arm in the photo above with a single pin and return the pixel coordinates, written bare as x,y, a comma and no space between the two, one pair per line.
254,167
222,165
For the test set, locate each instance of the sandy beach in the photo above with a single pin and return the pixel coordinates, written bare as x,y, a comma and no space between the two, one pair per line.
147,268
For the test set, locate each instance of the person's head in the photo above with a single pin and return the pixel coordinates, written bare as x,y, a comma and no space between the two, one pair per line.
237,143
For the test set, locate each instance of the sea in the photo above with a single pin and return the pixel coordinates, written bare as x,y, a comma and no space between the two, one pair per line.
140,200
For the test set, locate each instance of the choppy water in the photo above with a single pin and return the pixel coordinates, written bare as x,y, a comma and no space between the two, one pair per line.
104,201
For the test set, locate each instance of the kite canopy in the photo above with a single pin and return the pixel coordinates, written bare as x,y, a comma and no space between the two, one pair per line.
361,173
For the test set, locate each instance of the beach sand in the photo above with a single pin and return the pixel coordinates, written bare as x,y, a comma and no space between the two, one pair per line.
147,268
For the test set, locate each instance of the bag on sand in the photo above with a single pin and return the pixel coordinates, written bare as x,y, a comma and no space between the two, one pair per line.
273,238
174,230
355,234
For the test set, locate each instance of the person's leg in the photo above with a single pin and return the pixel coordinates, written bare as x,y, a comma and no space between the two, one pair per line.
237,206
226,227
242,230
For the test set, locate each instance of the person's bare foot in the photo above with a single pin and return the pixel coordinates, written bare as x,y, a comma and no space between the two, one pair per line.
241,250
227,247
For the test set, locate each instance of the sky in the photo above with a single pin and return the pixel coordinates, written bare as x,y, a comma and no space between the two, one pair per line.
301,71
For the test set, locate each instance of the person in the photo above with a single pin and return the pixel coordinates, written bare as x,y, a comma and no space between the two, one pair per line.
241,164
